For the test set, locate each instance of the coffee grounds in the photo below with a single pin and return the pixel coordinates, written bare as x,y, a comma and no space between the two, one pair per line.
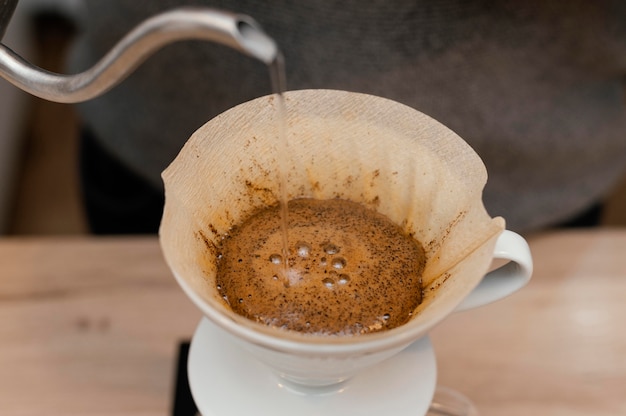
350,270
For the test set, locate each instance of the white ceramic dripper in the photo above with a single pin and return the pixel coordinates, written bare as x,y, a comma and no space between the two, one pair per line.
367,149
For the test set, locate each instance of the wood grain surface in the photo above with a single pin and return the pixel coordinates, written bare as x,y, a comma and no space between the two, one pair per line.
91,326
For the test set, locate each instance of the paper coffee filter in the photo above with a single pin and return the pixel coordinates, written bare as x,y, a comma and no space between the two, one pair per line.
359,147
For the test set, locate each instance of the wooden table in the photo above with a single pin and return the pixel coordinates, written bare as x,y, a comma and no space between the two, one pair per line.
91,326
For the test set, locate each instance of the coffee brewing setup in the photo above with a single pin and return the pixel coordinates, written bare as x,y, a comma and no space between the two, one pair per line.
224,378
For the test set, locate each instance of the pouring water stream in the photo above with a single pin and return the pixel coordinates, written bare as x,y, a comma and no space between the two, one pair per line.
279,86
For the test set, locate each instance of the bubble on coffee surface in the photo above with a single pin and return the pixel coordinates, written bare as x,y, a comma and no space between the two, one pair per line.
338,263
340,280
303,249
330,248
276,258
328,282
344,279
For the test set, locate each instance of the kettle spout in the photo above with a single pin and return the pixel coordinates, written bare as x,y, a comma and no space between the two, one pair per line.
233,30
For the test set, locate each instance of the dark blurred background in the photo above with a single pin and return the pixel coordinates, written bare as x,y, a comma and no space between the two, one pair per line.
39,189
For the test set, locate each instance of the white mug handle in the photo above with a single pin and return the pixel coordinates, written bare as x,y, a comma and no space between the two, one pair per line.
507,279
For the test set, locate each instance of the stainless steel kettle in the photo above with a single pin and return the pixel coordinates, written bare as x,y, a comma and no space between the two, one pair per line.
234,30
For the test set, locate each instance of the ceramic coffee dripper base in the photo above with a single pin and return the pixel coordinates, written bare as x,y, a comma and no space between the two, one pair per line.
226,380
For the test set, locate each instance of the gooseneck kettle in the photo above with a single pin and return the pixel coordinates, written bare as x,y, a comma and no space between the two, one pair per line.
234,30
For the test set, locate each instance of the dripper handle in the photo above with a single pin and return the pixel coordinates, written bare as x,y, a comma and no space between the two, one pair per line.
234,30
506,279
